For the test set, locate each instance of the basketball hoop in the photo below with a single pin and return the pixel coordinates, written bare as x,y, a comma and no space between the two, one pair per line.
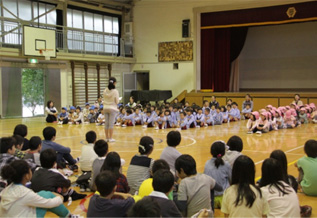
46,53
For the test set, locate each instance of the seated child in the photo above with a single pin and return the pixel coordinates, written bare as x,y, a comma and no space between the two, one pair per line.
101,117
80,116
219,170
18,146
163,183
170,123
209,120
307,167
91,116
119,118
218,117
146,187
183,122
234,112
88,155
194,191
22,130
63,116
205,105
246,112
86,112
48,178
190,118
148,119
19,201
279,119
235,145
213,110
138,116
101,149
200,118
303,116
170,154
63,153
160,121
33,153
289,120
113,164
103,205
252,122
72,114
141,164
128,119
224,113
145,208
263,125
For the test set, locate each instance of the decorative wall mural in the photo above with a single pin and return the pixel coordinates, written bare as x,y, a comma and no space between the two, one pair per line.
175,51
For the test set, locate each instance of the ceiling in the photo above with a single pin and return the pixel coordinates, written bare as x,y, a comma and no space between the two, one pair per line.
114,4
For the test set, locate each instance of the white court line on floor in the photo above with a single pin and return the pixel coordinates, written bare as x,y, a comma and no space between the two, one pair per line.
293,149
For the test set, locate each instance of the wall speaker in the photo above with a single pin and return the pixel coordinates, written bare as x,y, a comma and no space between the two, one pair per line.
185,28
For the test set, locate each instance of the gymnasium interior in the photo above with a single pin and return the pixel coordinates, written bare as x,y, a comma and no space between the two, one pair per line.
66,51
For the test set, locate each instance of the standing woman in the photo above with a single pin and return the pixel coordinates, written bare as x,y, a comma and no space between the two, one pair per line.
111,100
51,112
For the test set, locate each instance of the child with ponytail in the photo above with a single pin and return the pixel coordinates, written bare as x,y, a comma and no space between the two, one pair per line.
218,169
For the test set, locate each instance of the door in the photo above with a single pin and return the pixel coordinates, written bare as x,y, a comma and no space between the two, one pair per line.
129,84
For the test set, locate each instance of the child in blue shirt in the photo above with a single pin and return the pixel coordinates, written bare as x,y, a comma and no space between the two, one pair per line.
170,122
128,118
246,112
200,118
160,120
224,113
209,120
218,117
63,116
138,119
183,122
148,119
190,118
235,112
91,115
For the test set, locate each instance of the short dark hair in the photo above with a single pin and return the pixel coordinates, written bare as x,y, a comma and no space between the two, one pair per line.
49,132
159,165
48,157
187,163
163,181
91,136
310,148
19,140
235,143
146,207
234,103
15,171
101,148
105,182
6,144
173,138
21,130
207,109
34,143
146,145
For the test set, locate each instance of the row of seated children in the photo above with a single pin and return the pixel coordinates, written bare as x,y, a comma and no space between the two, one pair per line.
272,118
178,117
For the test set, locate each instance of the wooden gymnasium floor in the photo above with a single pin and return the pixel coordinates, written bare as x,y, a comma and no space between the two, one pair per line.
195,142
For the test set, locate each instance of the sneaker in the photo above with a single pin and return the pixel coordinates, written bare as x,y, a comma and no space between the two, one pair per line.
197,126
259,132
157,127
144,126
77,159
163,127
86,122
206,125
112,140
117,124
250,132
60,122
88,190
123,125
98,124
70,123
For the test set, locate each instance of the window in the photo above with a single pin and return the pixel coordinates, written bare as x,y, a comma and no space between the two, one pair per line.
92,32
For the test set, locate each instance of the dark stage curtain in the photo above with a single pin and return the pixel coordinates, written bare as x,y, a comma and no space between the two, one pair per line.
219,47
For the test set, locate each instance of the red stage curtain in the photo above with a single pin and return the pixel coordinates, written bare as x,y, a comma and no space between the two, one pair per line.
215,59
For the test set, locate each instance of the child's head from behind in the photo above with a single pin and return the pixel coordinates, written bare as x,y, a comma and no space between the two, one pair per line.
310,148
280,156
16,172
35,143
173,138
49,133
163,181
101,148
235,143
146,207
159,164
91,137
106,183
146,145
112,163
21,130
185,166
48,158
271,172
243,171
19,141
7,145
218,150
